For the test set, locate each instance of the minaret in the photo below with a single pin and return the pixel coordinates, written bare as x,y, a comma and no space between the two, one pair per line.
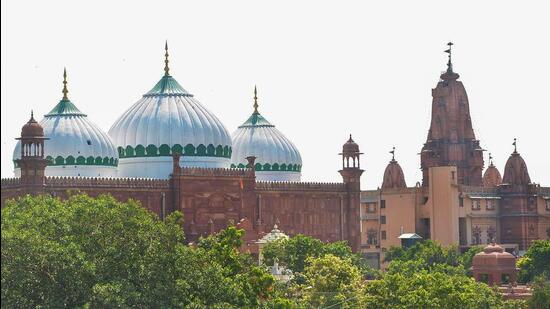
451,139
32,162
351,173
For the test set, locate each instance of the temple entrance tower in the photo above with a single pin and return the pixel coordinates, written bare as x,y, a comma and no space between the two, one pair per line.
451,139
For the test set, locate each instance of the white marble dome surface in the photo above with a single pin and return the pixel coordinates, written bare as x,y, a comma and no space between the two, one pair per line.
75,146
277,158
168,119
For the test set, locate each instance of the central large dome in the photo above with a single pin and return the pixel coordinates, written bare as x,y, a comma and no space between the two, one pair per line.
165,120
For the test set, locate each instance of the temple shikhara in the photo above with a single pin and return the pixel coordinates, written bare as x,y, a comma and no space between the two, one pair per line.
169,152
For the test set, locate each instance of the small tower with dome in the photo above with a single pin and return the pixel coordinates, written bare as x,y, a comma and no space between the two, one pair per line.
31,161
75,146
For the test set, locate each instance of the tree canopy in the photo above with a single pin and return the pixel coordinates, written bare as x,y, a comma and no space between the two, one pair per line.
100,252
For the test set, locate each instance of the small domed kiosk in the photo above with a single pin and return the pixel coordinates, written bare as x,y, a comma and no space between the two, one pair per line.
494,266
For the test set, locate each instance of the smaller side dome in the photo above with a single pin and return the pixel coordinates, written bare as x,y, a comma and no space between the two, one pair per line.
393,175
491,177
350,146
32,128
515,171
277,158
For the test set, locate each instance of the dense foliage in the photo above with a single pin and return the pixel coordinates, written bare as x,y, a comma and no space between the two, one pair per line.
99,252
293,253
409,284
535,262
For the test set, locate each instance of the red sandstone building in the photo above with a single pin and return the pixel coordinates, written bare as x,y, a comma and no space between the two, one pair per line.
170,153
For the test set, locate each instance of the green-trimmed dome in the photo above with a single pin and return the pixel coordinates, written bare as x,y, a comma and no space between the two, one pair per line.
166,120
75,146
277,159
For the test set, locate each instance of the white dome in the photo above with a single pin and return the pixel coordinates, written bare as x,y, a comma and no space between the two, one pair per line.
164,120
277,159
75,146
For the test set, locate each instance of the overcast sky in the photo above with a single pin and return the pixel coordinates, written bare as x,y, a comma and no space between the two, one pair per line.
324,69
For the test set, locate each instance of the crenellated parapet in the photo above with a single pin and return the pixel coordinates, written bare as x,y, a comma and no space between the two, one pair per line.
299,186
10,182
478,189
94,182
215,172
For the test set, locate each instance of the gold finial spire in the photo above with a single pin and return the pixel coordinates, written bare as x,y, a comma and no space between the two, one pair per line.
255,100
166,68
65,91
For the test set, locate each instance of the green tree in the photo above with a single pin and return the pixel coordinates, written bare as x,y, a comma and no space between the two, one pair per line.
541,294
99,252
294,252
331,282
535,262
253,283
466,258
407,284
86,251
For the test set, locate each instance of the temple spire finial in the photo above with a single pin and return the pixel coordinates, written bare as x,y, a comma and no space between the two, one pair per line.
255,100
393,154
490,159
166,68
515,145
65,91
449,63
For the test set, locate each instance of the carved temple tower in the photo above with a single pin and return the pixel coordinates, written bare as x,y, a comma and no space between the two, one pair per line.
451,139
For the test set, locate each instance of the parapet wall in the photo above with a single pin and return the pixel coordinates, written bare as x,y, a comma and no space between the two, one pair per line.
94,182
10,183
215,172
299,186
478,190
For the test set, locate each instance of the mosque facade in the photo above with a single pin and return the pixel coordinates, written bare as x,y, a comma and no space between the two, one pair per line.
169,152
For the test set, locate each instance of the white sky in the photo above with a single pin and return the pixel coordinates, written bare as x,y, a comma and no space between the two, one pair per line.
324,69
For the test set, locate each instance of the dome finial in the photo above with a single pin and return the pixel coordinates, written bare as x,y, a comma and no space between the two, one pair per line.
32,114
255,100
166,68
515,145
65,91
490,159
449,63
393,154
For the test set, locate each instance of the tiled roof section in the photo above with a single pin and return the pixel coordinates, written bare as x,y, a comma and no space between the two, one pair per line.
167,85
256,120
65,108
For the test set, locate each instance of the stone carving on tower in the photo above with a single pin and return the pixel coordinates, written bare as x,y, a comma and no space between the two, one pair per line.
451,139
